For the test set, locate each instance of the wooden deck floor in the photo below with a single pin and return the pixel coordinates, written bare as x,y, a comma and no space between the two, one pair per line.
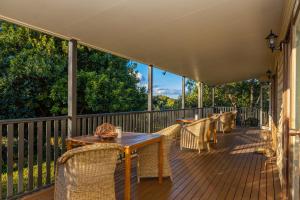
230,171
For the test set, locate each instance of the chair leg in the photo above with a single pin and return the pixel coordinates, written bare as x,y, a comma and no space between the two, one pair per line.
207,146
223,129
215,136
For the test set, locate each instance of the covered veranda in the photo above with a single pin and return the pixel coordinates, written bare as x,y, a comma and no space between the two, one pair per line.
231,170
207,41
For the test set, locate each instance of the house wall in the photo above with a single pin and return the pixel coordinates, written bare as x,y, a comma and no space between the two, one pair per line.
279,119
286,115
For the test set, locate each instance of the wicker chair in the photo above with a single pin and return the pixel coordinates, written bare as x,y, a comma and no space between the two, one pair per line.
226,122
87,172
213,127
196,135
148,155
233,118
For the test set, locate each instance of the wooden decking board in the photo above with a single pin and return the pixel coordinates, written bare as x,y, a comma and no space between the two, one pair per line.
176,162
231,170
263,181
217,175
222,193
177,176
185,176
208,165
256,181
250,179
277,188
244,183
235,184
198,179
233,164
243,180
192,188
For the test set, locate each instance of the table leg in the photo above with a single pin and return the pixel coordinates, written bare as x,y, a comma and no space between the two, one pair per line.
127,173
160,162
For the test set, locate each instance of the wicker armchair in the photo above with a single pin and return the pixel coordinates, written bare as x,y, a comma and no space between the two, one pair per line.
148,155
87,172
196,135
213,127
233,118
226,122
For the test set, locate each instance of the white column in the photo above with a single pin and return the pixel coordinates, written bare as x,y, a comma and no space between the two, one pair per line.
72,88
150,97
200,94
213,97
183,93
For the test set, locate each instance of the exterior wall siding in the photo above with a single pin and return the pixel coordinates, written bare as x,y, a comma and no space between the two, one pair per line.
279,120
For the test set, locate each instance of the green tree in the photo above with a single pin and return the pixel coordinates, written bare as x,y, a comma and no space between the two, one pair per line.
162,102
236,94
33,77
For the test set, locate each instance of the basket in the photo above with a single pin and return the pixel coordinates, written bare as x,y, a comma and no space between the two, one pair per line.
106,131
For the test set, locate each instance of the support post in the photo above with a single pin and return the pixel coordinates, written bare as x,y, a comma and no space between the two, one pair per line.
261,105
183,93
150,97
270,106
213,97
183,96
200,94
72,88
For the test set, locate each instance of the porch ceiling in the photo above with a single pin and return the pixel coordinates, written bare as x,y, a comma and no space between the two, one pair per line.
211,41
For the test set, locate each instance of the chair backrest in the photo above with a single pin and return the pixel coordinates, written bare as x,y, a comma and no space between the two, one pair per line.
78,162
226,117
213,122
206,130
81,170
197,127
171,131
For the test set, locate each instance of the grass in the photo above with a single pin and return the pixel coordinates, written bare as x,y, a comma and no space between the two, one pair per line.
25,178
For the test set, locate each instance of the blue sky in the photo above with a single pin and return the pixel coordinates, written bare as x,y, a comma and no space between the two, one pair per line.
168,84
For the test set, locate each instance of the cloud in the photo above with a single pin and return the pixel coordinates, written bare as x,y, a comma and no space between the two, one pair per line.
157,90
174,93
139,76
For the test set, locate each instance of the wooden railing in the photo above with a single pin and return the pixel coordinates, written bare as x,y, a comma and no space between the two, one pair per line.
30,147
251,116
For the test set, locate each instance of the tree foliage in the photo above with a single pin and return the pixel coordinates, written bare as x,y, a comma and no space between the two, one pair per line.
237,94
33,77
162,102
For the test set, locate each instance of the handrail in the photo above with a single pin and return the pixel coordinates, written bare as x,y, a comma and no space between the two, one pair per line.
36,119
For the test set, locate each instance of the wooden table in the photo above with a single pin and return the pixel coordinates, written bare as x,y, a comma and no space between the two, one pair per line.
129,142
185,120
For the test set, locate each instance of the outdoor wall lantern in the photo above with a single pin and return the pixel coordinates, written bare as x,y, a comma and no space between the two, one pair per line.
271,41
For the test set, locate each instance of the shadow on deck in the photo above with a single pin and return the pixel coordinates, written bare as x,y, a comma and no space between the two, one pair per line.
230,171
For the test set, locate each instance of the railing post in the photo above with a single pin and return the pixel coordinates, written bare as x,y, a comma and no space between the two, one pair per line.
183,96
150,98
72,88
